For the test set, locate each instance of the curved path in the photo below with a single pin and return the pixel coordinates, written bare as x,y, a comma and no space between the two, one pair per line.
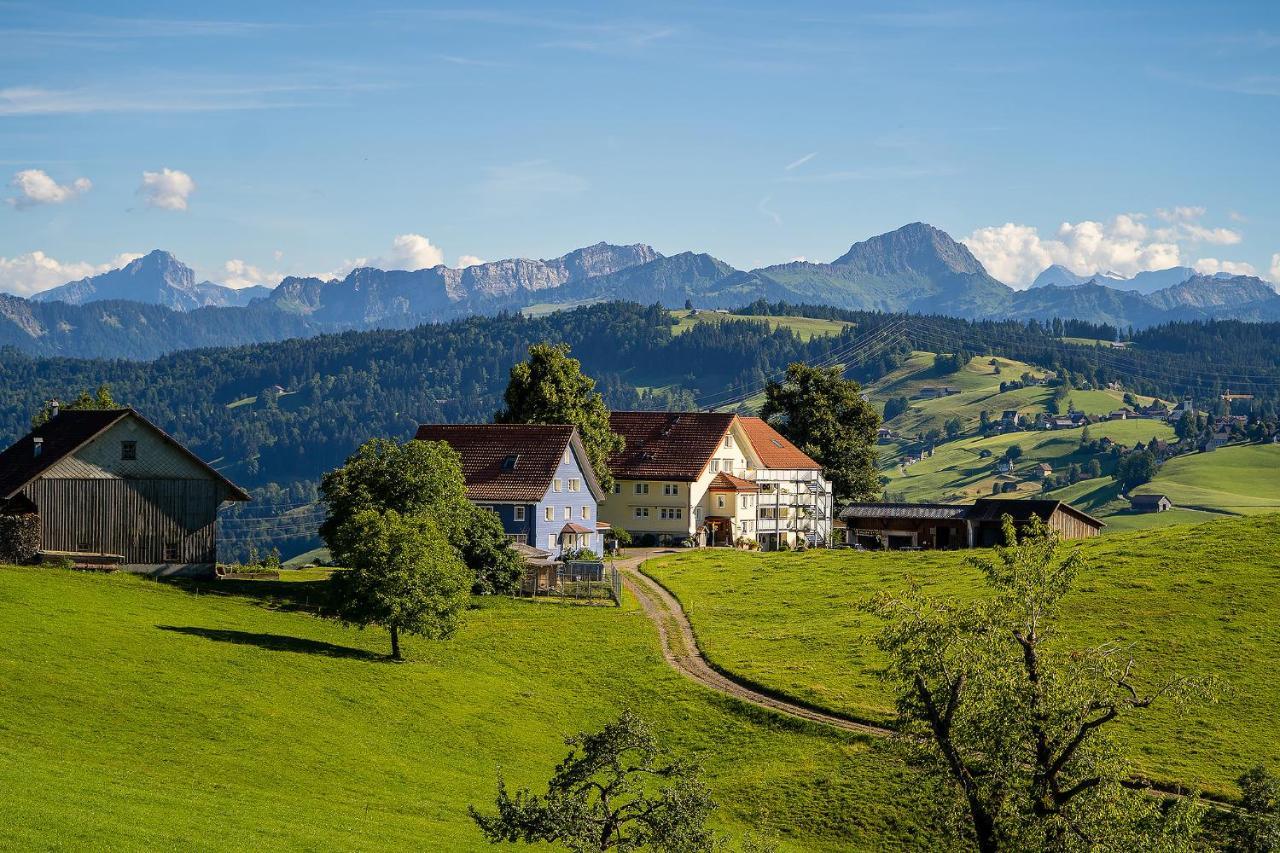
680,648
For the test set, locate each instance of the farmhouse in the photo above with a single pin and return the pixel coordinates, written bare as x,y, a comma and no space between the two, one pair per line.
536,477
1150,503
896,526
110,489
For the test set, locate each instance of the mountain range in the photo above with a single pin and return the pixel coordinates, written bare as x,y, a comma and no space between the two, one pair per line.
153,305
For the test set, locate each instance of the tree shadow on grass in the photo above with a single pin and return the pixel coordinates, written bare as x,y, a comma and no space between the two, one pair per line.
275,642
288,596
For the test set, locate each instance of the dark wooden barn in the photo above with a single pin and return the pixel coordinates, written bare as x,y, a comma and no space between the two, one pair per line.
898,526
111,489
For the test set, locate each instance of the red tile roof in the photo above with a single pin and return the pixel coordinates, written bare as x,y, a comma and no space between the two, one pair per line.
535,450
774,450
667,445
723,482
576,528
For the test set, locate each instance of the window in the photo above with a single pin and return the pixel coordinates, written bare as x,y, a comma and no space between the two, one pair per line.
509,463
617,488
128,451
642,512
485,506
550,513
517,538
172,553
519,513
642,488
715,464
568,513
744,501
746,527
672,513
575,485
586,512
719,501
555,484
728,439
669,489
551,541
567,459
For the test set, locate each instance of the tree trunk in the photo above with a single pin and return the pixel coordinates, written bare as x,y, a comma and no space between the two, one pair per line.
395,643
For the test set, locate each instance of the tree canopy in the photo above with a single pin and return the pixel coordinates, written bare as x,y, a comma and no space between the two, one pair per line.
550,388
824,415
1011,725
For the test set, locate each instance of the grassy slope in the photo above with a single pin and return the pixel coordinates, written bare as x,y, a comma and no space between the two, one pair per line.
1241,479
956,471
139,716
805,327
1203,595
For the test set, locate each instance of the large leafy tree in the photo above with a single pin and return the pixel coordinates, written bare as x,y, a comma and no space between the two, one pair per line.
418,478
1011,724
99,400
402,574
550,388
613,791
824,415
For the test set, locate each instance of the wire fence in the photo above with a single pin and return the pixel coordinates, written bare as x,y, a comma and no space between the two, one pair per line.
573,580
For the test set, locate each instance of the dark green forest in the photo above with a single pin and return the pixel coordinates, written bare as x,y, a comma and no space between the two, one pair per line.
275,416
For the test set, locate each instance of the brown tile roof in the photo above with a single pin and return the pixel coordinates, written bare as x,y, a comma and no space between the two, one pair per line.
774,450
535,451
723,482
667,445
68,432
576,528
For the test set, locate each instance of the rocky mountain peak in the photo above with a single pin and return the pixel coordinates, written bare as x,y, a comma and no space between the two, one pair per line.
917,248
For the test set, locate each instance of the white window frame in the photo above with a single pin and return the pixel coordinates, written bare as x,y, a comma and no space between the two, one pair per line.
641,512
575,485
568,513
586,512
556,484
549,513
719,501
728,440
519,513
671,489
642,488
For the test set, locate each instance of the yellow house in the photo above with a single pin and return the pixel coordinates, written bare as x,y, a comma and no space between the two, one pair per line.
683,476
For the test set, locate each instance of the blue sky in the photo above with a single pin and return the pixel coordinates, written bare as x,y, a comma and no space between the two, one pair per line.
256,140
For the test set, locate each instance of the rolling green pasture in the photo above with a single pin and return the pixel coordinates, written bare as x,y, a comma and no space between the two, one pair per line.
805,327
1186,599
140,715
1241,479
956,471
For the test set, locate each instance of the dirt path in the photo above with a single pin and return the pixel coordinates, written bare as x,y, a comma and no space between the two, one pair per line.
681,651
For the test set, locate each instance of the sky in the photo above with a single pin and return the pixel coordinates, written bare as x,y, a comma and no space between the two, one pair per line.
258,140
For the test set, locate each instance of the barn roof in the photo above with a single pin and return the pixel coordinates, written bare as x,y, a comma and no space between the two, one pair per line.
905,510
666,445
774,450
67,432
511,462
983,509
1144,500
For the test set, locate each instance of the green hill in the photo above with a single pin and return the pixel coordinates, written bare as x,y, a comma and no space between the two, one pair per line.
1241,480
137,715
1185,599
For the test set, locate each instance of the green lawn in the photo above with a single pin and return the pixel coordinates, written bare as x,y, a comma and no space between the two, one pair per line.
1242,480
805,327
1204,596
138,715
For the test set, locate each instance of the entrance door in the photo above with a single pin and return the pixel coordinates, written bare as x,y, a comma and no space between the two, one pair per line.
943,538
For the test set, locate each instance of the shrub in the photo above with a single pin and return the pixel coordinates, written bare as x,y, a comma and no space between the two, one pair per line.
19,537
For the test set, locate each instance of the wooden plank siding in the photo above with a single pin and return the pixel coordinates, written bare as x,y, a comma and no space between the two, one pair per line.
134,518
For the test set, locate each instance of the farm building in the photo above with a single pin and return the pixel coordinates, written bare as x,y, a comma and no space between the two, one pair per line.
1150,503
896,526
536,477
110,489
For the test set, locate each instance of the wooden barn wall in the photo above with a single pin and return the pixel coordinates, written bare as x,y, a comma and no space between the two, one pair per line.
136,518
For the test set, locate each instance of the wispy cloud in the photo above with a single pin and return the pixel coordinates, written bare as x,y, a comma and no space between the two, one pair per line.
763,207
528,183
1263,85
796,164
467,60
608,36
871,173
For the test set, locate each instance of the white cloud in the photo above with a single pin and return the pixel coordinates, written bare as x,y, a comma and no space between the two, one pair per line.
1126,244
278,255
36,271
762,206
1209,266
795,164
1275,268
167,189
465,261
411,252
35,187
242,274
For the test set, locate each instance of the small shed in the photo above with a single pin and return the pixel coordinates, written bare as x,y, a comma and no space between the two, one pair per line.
1150,503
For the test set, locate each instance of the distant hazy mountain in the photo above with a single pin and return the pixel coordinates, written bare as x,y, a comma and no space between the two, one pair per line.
155,279
1144,282
916,268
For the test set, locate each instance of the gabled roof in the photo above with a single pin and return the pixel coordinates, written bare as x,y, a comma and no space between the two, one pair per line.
904,510
774,450
667,445
512,462
71,430
1021,509
723,482
1147,499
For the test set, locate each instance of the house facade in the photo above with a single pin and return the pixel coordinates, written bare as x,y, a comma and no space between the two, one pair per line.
713,479
112,490
899,526
535,477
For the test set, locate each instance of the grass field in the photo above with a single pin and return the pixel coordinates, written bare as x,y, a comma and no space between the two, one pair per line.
1187,599
957,471
805,327
138,715
1241,480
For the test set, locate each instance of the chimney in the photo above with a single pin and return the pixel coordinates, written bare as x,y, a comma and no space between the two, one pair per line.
37,447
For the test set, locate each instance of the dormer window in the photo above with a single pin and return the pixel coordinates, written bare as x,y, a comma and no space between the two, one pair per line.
128,451
509,463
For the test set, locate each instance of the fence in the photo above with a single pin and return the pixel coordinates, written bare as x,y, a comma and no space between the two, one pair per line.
587,581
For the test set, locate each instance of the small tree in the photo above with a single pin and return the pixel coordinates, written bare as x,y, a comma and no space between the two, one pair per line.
1011,725
1255,827
1013,452
550,388
401,574
99,400
1135,469
613,791
953,427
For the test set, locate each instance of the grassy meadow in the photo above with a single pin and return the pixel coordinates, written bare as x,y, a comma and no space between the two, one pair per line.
1186,599
1241,480
140,715
805,327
